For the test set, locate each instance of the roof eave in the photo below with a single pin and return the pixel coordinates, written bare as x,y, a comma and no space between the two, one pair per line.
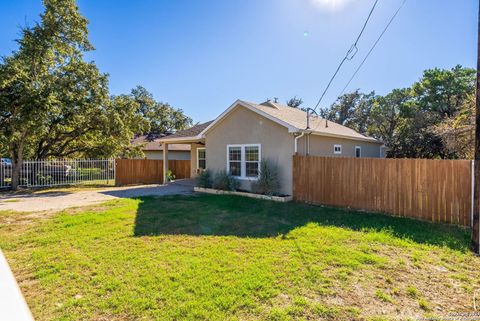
180,140
366,139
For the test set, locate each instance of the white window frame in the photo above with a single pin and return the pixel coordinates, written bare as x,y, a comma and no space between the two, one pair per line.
360,149
198,158
335,149
243,162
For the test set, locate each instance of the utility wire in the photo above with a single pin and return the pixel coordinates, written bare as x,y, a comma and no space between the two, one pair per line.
349,56
373,47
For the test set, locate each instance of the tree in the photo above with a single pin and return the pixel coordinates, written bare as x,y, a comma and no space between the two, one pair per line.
458,132
385,117
161,117
436,97
52,102
352,110
294,102
443,92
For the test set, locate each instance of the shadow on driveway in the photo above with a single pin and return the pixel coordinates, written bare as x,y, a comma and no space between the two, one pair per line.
5,196
180,187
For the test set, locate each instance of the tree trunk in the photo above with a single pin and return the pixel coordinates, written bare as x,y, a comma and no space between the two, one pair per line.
17,162
16,165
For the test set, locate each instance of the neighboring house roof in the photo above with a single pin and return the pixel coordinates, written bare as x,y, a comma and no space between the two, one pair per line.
190,132
294,119
155,144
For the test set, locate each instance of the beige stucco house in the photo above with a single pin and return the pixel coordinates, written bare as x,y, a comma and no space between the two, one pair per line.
246,133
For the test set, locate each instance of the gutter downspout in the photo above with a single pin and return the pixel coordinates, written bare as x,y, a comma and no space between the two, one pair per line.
296,142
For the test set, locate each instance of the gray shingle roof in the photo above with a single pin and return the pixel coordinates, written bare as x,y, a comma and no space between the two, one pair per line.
154,145
190,132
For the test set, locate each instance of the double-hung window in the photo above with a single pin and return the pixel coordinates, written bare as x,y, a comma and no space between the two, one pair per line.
243,161
235,160
201,158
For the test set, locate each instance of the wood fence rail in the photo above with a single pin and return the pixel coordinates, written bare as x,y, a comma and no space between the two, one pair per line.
434,190
148,171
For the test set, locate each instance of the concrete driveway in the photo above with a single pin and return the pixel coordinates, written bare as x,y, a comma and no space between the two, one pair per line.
62,199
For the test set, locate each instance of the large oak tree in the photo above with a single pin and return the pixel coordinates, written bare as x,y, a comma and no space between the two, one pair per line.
55,104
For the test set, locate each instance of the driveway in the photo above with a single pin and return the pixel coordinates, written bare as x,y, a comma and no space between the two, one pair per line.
62,199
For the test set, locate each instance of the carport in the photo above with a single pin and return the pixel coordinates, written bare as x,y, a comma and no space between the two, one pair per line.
192,136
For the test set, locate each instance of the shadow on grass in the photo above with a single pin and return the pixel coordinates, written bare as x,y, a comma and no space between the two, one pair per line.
245,217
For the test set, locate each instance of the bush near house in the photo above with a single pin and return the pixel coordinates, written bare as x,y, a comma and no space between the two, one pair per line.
225,182
268,182
204,179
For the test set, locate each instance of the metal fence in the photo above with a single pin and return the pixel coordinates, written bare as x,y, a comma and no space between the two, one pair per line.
57,172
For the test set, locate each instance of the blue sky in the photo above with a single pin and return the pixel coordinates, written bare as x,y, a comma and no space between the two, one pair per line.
201,55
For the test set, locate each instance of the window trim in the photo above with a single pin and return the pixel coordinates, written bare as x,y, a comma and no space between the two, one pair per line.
359,148
198,158
243,162
335,147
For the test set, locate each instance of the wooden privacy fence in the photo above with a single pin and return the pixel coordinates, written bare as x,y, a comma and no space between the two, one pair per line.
148,171
434,190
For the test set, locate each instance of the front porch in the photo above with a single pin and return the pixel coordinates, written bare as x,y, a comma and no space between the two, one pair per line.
197,155
192,136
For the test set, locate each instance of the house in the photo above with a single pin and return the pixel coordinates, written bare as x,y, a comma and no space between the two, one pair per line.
153,148
246,133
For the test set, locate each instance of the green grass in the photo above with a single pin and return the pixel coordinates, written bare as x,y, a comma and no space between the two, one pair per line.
412,291
10,201
384,296
212,257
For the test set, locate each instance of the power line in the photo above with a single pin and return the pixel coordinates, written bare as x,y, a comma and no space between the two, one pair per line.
349,56
373,47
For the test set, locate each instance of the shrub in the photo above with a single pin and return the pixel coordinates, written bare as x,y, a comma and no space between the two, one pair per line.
204,179
170,176
268,182
225,181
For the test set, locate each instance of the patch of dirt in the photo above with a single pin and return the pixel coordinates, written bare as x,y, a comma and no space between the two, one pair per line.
442,294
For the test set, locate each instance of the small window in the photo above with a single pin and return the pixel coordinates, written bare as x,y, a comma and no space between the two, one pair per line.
337,149
358,151
201,158
235,161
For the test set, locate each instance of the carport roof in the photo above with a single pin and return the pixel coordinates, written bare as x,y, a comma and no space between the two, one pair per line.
187,134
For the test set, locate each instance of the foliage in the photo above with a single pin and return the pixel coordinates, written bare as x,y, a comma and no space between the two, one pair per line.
294,102
245,256
161,117
224,181
351,110
268,182
204,179
170,176
458,131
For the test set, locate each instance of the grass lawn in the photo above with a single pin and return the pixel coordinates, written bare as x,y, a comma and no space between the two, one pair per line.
213,257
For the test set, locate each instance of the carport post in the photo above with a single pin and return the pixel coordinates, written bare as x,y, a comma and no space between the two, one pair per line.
165,163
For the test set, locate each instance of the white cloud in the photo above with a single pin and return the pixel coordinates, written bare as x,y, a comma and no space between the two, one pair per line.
332,5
